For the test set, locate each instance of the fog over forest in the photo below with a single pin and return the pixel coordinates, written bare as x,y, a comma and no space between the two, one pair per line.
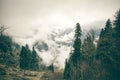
59,39
50,24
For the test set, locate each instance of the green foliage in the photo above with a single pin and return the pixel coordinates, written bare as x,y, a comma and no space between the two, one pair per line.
88,51
96,64
72,68
51,67
85,62
30,60
5,43
105,51
116,55
76,54
66,70
25,58
35,60
88,46
105,43
2,71
8,51
108,51
117,22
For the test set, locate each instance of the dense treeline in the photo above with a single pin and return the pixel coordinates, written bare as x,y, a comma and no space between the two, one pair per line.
14,55
87,62
11,54
29,60
9,50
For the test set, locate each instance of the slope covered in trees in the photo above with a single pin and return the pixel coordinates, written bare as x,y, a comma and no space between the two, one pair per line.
96,63
72,70
14,58
9,50
87,61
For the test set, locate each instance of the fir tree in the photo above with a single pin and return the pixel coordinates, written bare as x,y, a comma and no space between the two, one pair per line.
51,67
106,39
75,56
72,68
35,60
25,58
116,55
66,74
23,62
88,46
105,51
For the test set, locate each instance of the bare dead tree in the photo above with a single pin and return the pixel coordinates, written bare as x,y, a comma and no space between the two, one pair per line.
2,29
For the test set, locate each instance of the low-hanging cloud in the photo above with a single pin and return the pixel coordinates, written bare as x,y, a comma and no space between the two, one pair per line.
53,22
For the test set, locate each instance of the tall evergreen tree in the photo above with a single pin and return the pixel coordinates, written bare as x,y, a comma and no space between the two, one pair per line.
75,56
29,56
88,46
104,51
35,60
116,55
25,58
51,67
105,41
23,54
72,68
88,51
66,74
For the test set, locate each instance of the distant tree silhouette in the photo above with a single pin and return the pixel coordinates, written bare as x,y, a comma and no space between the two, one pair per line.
51,67
2,29
88,46
75,56
105,51
74,60
25,58
116,55
66,73
35,60
105,40
8,50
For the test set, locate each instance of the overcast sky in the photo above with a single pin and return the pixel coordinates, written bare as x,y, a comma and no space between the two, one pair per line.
33,20
23,15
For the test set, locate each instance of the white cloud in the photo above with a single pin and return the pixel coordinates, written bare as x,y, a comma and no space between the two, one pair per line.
64,54
34,20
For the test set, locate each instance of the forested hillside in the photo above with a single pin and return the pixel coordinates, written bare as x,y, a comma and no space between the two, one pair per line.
88,59
102,62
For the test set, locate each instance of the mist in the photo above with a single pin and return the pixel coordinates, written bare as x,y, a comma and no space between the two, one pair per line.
53,22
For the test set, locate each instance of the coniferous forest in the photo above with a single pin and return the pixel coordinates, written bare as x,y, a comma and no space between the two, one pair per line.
87,60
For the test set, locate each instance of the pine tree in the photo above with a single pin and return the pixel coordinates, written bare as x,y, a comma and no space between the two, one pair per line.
66,74
88,51
72,68
29,56
105,51
25,58
105,40
75,56
116,55
35,60
52,67
88,46
23,54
